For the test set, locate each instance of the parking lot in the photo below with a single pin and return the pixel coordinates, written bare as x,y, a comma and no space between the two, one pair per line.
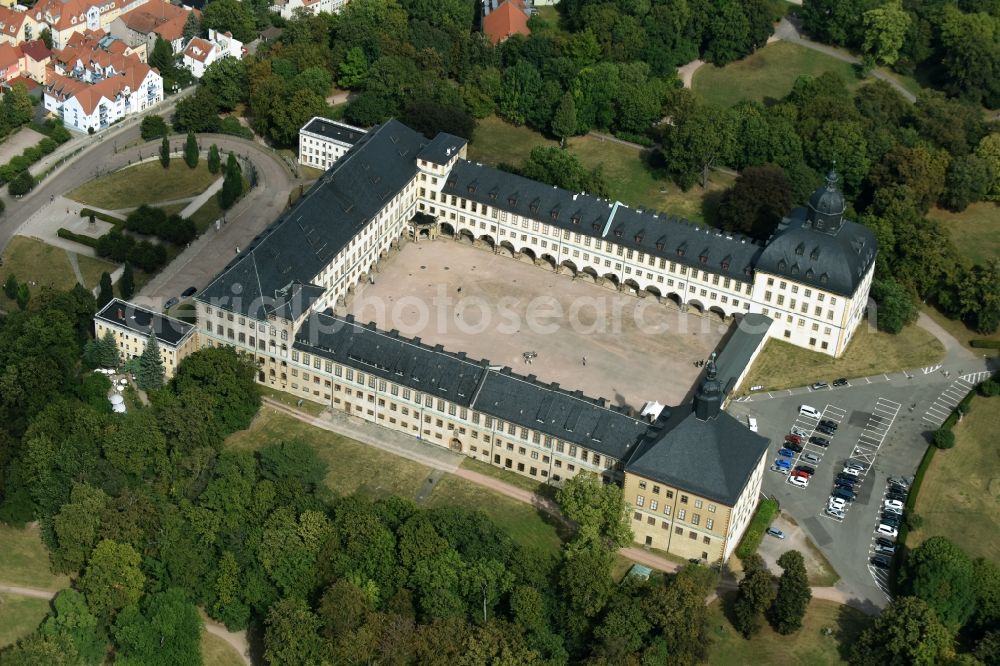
879,427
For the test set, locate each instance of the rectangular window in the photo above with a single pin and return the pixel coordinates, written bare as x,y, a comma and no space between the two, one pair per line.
697,504
639,500
681,513
709,524
653,504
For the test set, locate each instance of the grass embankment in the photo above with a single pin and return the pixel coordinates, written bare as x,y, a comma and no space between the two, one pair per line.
781,365
46,265
629,179
961,332
975,231
19,616
217,652
147,183
828,631
354,467
960,494
24,561
769,73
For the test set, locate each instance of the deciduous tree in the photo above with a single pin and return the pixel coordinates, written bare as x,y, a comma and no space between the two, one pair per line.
756,202
112,579
70,619
792,600
756,594
291,637
598,509
885,29
907,632
165,632
941,574
232,16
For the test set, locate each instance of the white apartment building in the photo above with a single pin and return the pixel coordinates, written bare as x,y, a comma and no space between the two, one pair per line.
323,141
289,8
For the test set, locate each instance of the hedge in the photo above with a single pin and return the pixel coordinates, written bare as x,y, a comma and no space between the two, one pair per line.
79,238
985,344
766,512
87,212
961,408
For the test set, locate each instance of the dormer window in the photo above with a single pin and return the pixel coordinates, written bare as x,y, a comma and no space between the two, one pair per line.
533,206
512,200
472,188
824,278
493,195
575,219
795,269
554,214
814,255
809,273
725,263
595,225
618,232
703,258
451,182
747,271
800,250
681,249
782,265
638,239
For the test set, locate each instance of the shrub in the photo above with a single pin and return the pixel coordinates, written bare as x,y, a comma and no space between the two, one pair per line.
47,146
985,344
32,153
766,512
88,212
147,256
77,238
989,388
60,134
153,127
114,245
232,126
944,439
22,183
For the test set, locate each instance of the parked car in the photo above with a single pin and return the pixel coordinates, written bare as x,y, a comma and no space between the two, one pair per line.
885,550
847,478
189,292
889,519
893,504
811,457
828,424
799,431
819,441
880,562
896,497
795,439
887,530
793,446
840,381
805,468
825,430
886,543
837,502
809,411
800,481
899,481
752,423
783,463
851,471
835,513
854,464
779,470
786,453
894,488
170,303
893,510
819,385
839,485
844,494
775,532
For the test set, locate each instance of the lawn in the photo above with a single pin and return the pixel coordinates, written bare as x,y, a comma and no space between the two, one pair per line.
307,406
512,478
525,525
47,265
24,560
217,652
19,616
352,467
356,467
628,178
960,331
975,231
962,486
147,183
827,633
781,365
767,74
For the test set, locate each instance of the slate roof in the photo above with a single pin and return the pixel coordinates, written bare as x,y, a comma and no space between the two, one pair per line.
501,393
169,331
744,341
303,240
831,262
671,238
442,148
713,458
334,131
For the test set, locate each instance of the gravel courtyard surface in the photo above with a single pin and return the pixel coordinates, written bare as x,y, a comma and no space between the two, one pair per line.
493,307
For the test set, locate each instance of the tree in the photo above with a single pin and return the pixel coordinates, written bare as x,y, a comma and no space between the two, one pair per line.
755,597
727,33
291,637
944,438
941,574
231,15
192,27
191,151
582,579
71,620
989,150
968,180
76,527
429,118
353,69
885,31
756,202
165,153
705,138
166,632
792,599
562,168
907,632
232,184
229,377
109,357
10,287
106,292
162,58
153,127
214,161
23,296
16,108
40,649
598,509
112,579
23,183
227,80
895,305
126,285
150,376
564,120
970,55
46,37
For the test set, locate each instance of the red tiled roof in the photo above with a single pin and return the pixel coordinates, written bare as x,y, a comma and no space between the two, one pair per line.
157,16
198,49
506,20
11,21
89,96
10,55
36,50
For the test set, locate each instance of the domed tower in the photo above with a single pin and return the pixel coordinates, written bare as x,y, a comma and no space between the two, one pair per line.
708,398
826,207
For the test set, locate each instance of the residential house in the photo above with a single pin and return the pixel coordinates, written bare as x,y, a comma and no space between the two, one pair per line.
36,58
503,18
17,26
67,17
289,8
155,18
200,53
11,62
322,142
132,327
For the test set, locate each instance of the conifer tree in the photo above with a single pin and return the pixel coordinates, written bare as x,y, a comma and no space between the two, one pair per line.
191,151
150,375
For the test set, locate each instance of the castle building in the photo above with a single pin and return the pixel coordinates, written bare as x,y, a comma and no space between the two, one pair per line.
322,141
132,327
692,474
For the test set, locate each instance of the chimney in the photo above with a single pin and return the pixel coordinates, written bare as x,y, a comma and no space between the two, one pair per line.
121,315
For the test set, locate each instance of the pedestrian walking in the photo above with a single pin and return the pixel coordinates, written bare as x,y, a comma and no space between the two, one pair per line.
584,361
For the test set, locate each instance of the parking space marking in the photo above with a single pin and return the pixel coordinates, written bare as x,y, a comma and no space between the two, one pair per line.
976,377
943,405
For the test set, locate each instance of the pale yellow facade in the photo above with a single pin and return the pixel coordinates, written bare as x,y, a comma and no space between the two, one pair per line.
131,345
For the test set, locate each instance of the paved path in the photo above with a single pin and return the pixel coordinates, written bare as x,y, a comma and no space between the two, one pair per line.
200,200
686,72
954,352
75,264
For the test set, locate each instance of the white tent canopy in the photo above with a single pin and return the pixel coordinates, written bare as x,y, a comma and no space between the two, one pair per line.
116,399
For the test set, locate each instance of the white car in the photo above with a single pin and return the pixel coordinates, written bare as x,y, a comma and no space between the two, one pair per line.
851,471
837,503
887,530
752,423
893,504
893,510
800,481
809,412
836,513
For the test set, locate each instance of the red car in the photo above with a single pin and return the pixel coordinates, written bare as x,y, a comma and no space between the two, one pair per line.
800,473
795,439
